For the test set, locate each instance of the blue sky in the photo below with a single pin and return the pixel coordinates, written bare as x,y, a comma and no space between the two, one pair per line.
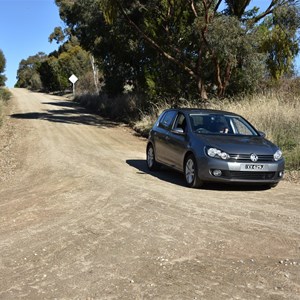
25,26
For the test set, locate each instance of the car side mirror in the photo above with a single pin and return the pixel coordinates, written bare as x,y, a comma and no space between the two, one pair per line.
262,134
179,131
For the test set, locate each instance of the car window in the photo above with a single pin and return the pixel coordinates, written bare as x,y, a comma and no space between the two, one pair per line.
241,127
220,124
167,119
210,123
197,121
180,122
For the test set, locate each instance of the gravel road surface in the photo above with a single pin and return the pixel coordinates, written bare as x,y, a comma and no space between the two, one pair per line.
82,218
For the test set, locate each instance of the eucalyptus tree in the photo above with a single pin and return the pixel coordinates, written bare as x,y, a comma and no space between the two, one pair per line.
187,45
120,54
28,74
60,65
280,40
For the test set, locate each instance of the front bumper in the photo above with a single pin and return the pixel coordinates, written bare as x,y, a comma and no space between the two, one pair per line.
247,172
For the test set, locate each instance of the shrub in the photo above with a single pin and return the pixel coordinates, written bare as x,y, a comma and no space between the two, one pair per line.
4,94
126,108
4,97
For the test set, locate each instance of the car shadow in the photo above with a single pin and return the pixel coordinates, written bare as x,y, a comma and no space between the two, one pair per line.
70,113
164,173
174,177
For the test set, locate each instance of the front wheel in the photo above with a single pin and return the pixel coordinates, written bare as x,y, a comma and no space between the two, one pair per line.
152,164
191,172
270,185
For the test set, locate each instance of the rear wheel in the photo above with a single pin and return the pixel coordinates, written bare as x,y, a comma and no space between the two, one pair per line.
152,164
191,172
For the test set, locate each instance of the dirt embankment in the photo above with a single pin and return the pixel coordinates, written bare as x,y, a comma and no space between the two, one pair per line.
81,218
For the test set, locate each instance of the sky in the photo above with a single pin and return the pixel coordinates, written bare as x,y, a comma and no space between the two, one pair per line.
25,26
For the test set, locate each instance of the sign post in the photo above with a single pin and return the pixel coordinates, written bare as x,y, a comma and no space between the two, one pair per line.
73,79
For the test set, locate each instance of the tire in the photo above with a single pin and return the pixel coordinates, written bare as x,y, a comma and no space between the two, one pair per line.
152,164
191,172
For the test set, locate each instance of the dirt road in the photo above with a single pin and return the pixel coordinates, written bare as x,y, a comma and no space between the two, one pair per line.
81,218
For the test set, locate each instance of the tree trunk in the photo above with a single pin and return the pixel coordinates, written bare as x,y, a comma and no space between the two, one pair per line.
95,73
201,89
222,83
199,78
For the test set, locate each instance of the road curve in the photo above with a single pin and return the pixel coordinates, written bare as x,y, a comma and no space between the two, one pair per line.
82,218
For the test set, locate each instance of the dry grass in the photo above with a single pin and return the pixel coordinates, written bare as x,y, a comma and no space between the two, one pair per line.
4,97
1,104
277,114
122,108
146,121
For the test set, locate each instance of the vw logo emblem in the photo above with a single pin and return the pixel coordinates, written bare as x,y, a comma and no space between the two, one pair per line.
254,157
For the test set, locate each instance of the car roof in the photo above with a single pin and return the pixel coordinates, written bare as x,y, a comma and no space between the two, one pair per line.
203,111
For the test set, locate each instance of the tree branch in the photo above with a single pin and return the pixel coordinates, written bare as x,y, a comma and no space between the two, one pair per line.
150,41
217,6
194,8
270,9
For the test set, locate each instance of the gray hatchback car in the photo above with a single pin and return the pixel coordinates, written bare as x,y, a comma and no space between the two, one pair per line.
213,146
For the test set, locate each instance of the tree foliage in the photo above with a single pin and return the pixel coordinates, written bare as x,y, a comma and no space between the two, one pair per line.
2,68
28,72
183,47
168,48
280,40
51,72
237,8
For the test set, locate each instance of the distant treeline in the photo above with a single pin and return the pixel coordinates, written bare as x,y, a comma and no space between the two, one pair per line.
2,68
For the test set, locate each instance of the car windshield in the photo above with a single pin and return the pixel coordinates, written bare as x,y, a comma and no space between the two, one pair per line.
221,124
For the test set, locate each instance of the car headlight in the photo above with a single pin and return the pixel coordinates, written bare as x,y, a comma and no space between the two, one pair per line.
277,155
216,153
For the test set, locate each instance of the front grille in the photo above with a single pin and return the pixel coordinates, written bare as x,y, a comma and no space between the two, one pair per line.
246,158
251,175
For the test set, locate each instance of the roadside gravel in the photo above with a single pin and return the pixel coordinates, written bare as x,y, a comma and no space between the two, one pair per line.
9,134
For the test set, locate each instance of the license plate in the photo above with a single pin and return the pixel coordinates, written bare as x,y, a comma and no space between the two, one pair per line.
252,167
